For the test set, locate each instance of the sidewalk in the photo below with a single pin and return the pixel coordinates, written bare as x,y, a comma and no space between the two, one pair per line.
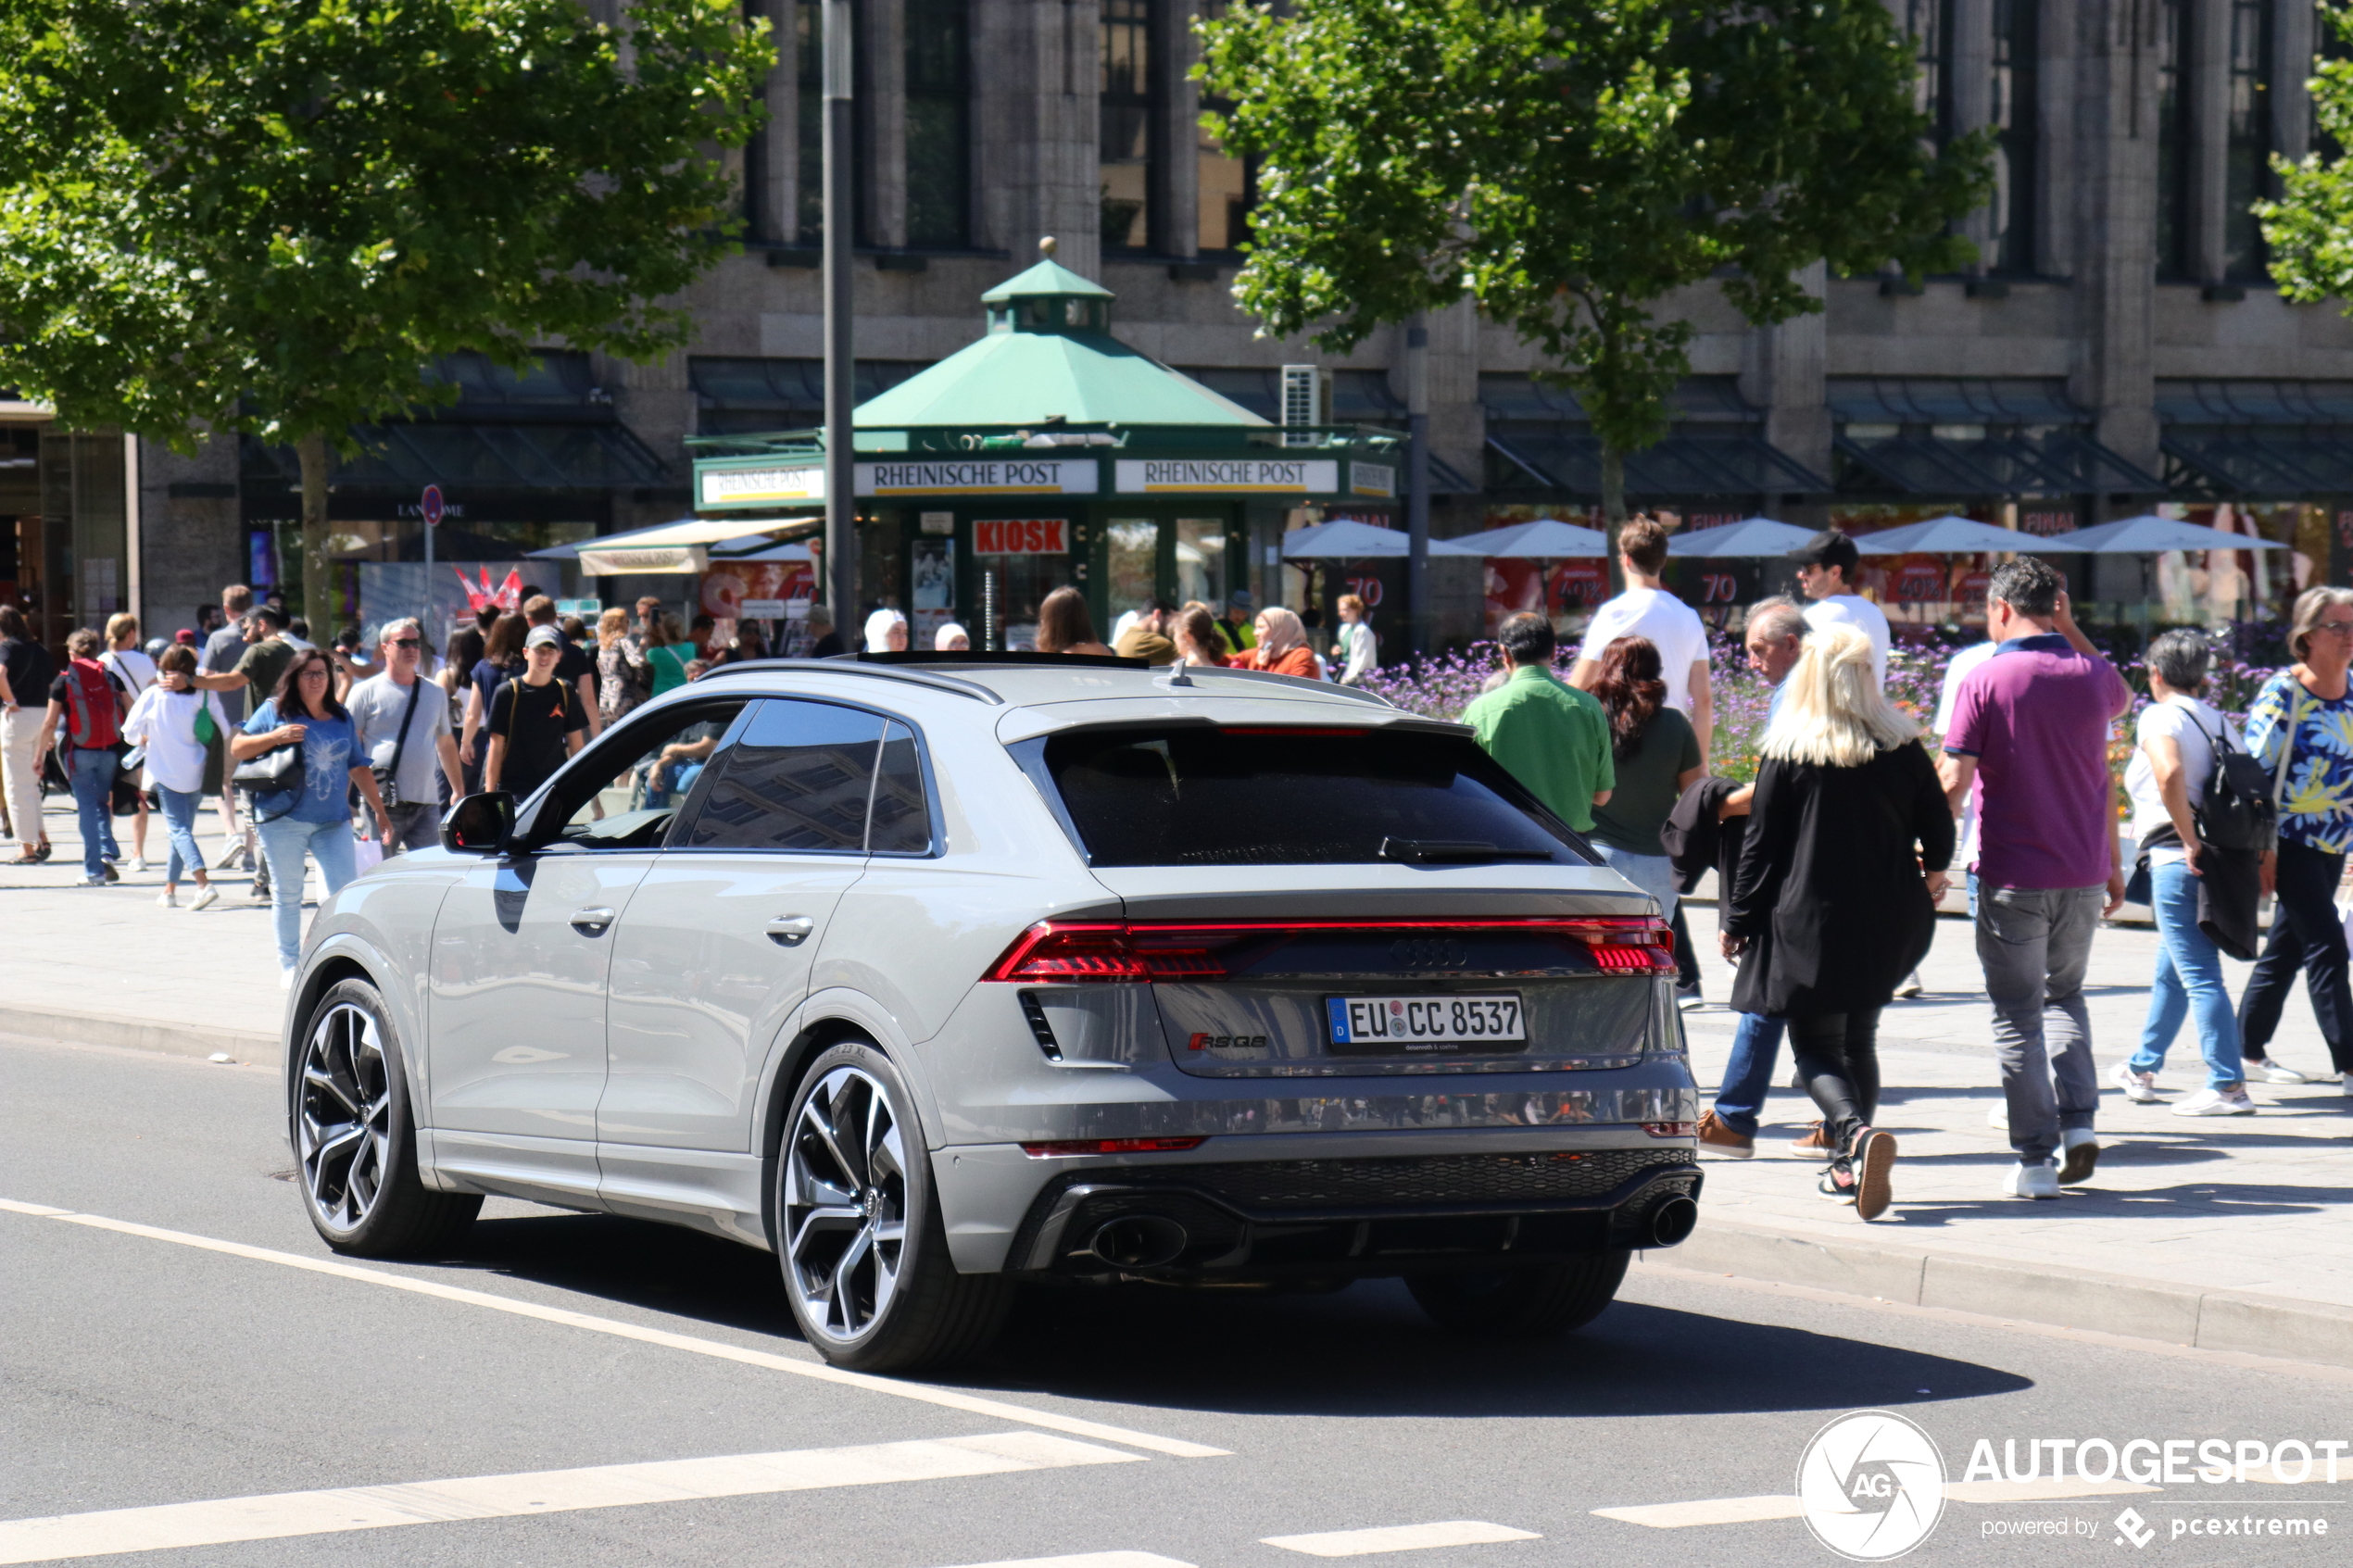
2230,1232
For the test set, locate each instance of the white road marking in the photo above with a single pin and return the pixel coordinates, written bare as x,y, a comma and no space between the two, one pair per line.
1709,1510
971,1404
1089,1560
1748,1510
275,1517
1400,1538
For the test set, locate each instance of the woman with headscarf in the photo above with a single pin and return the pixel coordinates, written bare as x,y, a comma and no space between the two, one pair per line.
951,638
885,631
1283,646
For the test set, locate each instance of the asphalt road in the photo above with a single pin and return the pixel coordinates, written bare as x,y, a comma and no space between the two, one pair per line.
144,1371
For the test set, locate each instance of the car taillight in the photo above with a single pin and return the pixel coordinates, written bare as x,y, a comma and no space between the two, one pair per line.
1110,1145
1093,950
1085,951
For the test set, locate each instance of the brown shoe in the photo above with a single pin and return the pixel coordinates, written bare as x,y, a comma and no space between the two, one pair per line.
1722,1141
1816,1142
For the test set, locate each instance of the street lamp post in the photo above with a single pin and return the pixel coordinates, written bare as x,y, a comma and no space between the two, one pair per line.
841,501
1417,483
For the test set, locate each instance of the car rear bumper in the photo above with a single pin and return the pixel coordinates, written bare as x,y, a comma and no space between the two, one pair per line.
1332,1206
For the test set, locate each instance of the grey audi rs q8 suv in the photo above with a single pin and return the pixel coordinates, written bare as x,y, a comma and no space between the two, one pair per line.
935,975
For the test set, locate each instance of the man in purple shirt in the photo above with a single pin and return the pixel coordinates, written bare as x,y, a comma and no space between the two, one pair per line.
2029,734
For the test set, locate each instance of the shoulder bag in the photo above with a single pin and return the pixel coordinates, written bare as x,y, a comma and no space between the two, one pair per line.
385,777
275,772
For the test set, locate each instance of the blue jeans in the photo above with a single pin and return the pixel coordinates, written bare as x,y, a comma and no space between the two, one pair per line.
92,779
1749,1072
1654,875
180,822
284,842
2189,982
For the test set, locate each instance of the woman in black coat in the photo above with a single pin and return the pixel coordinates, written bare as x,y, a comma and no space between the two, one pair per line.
1834,901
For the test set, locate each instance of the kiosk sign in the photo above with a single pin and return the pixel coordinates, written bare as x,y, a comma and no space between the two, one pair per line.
1021,536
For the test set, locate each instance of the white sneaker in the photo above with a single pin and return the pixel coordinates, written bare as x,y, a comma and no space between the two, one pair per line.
2213,1102
2032,1181
2079,1153
2139,1087
205,897
168,899
285,980
2272,1073
1998,1114
138,862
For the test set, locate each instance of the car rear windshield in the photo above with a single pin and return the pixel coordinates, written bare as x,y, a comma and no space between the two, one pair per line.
1198,795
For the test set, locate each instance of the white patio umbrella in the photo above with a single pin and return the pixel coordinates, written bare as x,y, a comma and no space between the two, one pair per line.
2153,536
1347,539
1953,536
1545,538
1750,536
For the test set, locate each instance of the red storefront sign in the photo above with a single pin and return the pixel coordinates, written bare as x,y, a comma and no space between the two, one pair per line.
1021,536
1579,582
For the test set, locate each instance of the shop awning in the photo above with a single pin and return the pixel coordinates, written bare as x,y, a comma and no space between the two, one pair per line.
2286,461
490,456
1995,462
1682,464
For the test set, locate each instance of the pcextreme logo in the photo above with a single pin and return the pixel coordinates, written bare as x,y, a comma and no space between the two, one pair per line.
1873,1485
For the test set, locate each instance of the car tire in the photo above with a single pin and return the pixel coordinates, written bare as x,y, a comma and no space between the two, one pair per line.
858,1230
1543,1300
355,1141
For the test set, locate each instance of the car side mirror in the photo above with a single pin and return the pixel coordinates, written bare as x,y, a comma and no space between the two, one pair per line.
479,824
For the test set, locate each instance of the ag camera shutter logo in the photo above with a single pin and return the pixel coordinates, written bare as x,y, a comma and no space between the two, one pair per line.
1873,1485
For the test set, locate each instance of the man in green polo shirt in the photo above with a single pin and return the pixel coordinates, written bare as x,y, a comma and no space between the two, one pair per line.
1550,736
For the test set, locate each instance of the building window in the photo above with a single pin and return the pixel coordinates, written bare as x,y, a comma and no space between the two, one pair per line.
1127,124
938,106
2173,140
1931,24
2016,48
2246,174
809,108
1227,185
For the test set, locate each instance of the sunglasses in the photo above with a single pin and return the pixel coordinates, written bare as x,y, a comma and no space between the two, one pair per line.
406,643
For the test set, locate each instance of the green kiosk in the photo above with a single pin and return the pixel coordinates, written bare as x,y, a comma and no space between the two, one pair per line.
1050,452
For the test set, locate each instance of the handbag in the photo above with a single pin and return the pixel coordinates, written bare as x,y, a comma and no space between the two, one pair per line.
276,771
386,786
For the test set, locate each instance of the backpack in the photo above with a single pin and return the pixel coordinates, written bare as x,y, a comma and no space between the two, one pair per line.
93,720
2238,811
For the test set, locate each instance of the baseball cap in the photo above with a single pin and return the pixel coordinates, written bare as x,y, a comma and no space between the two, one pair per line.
185,637
546,634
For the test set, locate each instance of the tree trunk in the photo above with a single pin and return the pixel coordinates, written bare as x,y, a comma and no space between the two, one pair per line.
312,450
1613,508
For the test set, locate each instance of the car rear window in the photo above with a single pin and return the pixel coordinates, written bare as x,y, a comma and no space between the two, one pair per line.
1187,796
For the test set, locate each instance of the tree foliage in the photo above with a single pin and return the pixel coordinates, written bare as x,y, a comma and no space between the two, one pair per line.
273,216
2309,229
1570,164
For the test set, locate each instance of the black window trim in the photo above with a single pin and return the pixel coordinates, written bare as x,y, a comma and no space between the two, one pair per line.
936,820
621,737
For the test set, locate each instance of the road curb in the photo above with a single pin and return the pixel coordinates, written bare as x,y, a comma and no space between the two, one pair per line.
170,1039
2210,1320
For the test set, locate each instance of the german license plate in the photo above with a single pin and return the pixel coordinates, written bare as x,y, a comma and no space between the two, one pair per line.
1427,1024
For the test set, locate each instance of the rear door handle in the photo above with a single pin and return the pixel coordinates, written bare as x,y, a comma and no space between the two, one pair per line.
591,922
790,931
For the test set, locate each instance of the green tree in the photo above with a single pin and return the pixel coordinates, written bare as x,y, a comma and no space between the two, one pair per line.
1571,165
273,216
2309,229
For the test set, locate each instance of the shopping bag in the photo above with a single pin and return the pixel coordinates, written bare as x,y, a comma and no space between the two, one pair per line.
367,854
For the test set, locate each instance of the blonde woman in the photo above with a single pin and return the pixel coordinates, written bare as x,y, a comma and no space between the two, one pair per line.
1358,650
1834,898
623,679
135,674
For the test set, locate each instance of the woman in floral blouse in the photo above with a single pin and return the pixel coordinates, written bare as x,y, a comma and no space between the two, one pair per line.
622,680
2309,711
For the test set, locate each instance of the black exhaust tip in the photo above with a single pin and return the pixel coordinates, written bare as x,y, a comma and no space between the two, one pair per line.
1142,1241
1671,1220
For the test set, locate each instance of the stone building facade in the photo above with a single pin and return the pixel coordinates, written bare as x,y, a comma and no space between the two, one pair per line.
2118,349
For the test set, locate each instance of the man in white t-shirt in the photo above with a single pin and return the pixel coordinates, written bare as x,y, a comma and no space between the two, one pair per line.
1647,609
1828,566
